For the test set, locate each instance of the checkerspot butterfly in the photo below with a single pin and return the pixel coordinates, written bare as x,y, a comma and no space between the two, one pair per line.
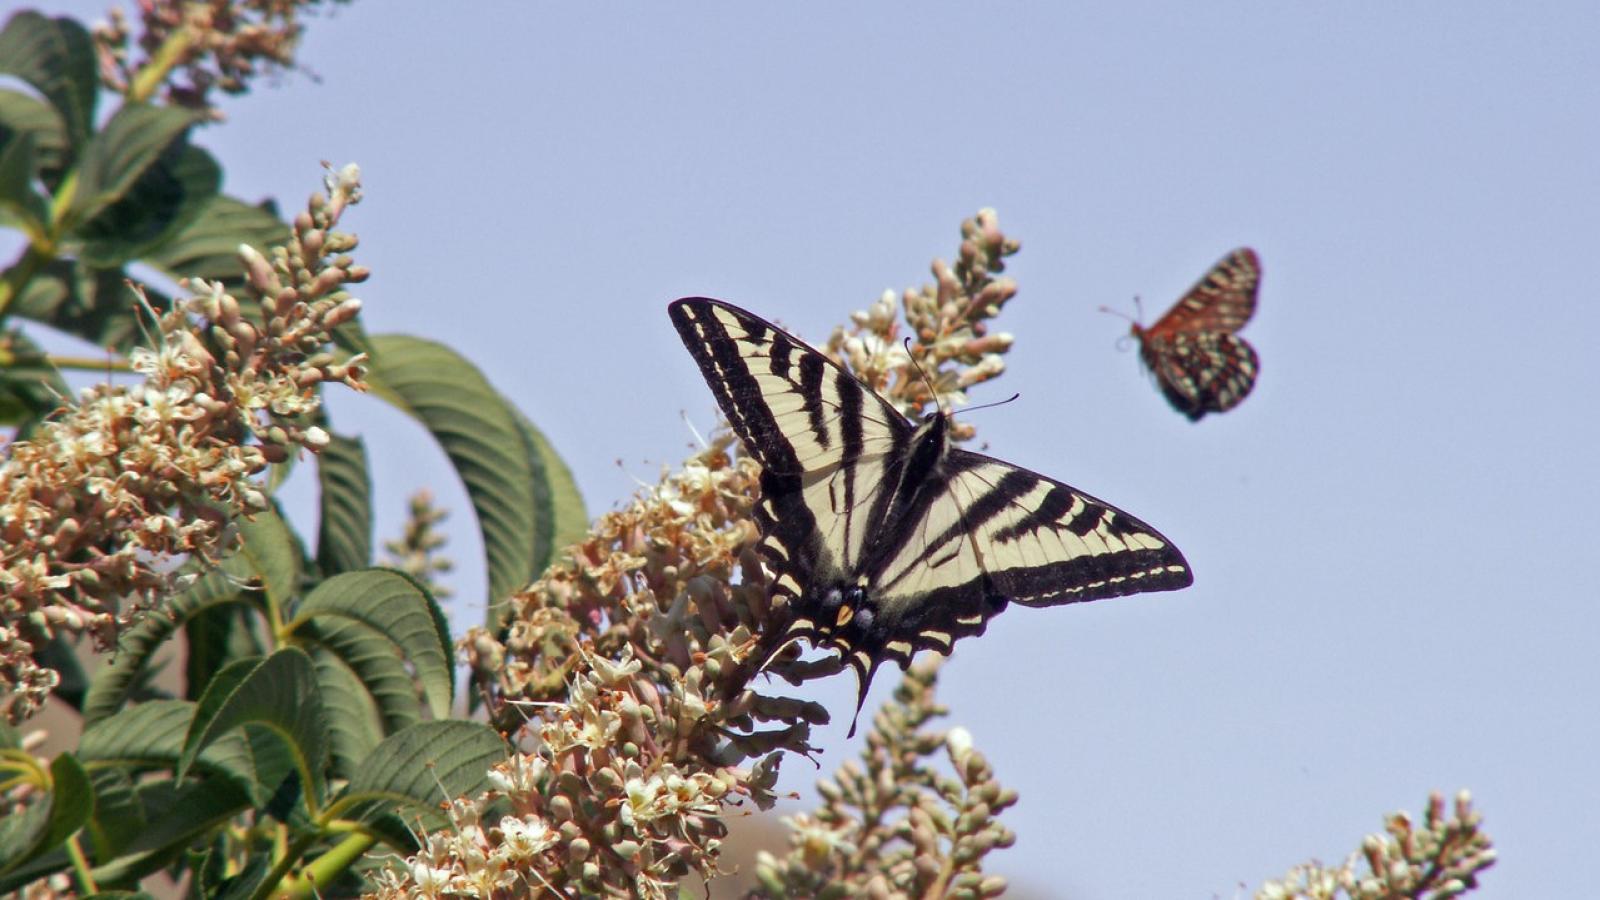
1198,361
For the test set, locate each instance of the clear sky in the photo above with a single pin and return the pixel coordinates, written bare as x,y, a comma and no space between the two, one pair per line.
1393,537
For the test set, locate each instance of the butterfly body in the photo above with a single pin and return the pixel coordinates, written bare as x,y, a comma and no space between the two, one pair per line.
1199,362
882,536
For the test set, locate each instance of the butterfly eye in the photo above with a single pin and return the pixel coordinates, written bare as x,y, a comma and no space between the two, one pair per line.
832,599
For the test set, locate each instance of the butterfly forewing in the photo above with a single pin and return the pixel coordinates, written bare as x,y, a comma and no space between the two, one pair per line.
885,539
815,429
1199,363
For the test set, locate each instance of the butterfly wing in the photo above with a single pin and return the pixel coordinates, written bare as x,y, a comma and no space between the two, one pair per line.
1199,363
995,533
1223,300
1203,372
824,440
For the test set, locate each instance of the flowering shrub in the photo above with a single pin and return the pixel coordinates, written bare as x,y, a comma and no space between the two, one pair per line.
311,747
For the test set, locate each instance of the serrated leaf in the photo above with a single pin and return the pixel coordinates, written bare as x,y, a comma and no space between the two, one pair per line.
427,763
344,538
122,152
279,693
354,727
480,432
56,56
152,735
168,197
375,662
47,823
393,605
23,114
209,246
19,202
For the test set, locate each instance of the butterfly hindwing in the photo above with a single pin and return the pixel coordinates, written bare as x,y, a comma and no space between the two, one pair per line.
1203,372
1198,361
883,538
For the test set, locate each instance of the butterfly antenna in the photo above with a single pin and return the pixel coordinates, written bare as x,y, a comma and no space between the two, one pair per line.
1124,341
932,394
972,409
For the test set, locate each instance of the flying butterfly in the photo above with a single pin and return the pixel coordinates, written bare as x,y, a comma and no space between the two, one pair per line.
882,537
1198,361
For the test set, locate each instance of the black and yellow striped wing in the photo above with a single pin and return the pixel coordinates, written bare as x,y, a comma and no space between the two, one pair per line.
884,538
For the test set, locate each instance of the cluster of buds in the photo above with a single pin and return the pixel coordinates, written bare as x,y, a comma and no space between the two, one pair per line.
1440,860
102,501
948,328
894,826
418,551
623,667
220,44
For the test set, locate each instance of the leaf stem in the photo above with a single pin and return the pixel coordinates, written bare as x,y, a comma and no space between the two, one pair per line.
80,867
161,64
18,276
322,871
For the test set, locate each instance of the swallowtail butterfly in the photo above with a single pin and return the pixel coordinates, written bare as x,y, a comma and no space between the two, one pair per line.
1197,360
882,537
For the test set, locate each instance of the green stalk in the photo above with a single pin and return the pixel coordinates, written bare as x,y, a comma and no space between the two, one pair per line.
155,72
322,871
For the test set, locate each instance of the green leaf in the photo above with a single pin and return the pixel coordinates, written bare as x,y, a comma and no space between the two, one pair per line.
94,304
56,56
46,824
177,816
272,556
168,197
396,607
217,636
354,727
375,662
30,388
209,246
24,114
119,154
152,735
278,693
19,202
555,491
118,818
344,538
422,766
112,686
483,436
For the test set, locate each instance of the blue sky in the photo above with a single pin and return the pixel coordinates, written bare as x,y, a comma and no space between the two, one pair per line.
1393,537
